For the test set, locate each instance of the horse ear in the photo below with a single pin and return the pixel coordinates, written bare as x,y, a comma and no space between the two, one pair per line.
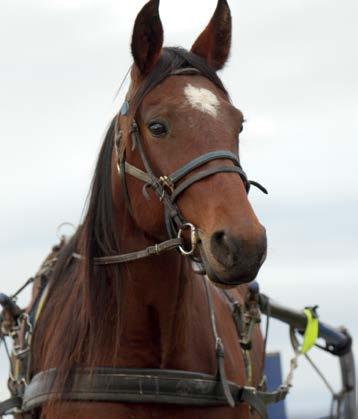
215,41
147,39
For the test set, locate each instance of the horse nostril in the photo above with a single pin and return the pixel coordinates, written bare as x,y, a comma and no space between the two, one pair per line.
238,252
225,248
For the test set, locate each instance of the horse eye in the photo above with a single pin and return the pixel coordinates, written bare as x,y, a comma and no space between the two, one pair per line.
158,129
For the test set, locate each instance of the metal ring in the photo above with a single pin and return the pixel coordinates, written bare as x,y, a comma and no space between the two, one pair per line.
59,233
193,237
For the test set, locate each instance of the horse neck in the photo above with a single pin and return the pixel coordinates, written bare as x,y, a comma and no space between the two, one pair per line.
155,296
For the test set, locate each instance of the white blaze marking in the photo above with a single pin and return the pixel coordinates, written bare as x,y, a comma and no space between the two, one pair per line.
202,99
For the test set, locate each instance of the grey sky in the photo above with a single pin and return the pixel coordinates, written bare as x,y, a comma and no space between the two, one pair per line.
292,72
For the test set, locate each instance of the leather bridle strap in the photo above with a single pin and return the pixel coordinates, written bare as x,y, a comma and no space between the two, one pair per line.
167,191
175,177
204,174
200,161
166,187
156,183
155,250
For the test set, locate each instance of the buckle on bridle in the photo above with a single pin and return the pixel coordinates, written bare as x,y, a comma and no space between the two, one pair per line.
167,183
193,237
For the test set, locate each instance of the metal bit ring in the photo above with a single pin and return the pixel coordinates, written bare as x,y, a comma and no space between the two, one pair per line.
193,238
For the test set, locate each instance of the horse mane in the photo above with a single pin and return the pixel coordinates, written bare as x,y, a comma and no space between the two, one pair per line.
90,291
80,285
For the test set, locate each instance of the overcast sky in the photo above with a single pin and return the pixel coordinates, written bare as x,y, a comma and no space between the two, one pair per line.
293,73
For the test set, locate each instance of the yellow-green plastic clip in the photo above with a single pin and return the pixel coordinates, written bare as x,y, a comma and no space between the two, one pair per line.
311,332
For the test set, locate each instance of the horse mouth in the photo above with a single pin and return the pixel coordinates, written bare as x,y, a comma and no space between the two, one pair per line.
232,274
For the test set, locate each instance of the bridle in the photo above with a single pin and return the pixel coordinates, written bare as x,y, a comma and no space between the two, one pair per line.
168,188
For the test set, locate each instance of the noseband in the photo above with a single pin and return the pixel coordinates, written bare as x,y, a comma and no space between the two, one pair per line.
168,188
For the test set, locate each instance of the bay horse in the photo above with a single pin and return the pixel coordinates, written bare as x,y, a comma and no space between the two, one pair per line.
152,312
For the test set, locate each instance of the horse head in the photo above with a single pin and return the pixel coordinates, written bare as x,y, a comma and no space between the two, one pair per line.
177,111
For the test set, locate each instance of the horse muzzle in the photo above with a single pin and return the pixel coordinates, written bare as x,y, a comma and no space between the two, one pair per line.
230,260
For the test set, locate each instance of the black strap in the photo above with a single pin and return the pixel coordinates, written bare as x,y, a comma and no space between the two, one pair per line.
221,375
144,386
123,180
206,173
200,161
219,347
237,314
141,254
155,183
7,406
164,186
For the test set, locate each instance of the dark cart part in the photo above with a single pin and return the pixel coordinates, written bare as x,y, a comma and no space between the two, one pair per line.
338,342
8,304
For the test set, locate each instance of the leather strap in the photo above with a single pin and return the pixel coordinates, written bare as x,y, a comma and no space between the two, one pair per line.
219,347
131,385
237,313
7,406
145,386
141,254
200,161
175,177
123,181
185,71
137,173
171,209
206,173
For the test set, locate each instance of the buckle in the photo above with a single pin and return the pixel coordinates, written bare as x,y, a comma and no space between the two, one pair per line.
167,183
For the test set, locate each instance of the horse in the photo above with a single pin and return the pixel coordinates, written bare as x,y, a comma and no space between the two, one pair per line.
153,308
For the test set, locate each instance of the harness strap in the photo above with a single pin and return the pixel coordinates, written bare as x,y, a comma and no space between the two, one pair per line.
237,313
240,319
7,406
219,347
144,386
141,254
